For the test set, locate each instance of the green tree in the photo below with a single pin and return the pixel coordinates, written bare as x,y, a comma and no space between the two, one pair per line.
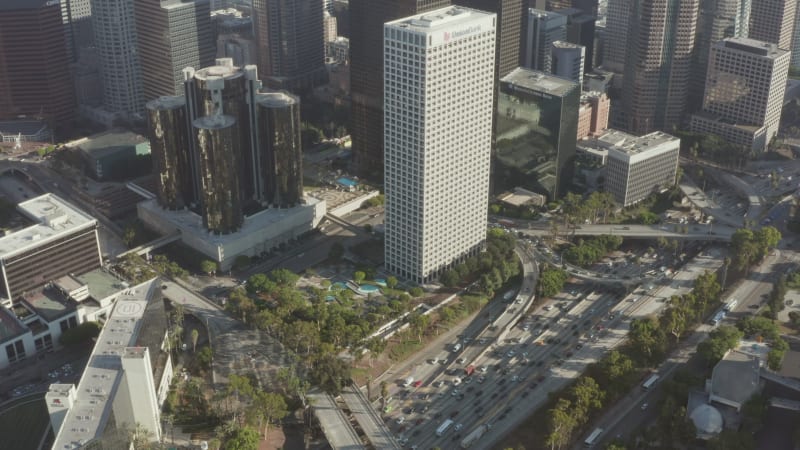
561,425
284,277
551,281
208,266
269,406
195,336
647,339
242,438
587,396
415,291
330,373
719,341
129,237
204,357
391,282
358,276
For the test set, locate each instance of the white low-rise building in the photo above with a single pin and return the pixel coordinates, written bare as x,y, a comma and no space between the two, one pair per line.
641,165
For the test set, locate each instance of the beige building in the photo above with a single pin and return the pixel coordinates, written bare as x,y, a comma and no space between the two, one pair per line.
744,92
584,120
773,21
640,166
658,66
593,114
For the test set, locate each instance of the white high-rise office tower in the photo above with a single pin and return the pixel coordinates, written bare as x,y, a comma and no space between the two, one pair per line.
544,28
744,92
115,38
438,94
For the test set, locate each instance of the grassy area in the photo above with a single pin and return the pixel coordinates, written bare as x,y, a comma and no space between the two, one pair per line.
23,425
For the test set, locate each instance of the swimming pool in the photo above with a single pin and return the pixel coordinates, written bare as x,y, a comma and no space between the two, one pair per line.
347,182
368,289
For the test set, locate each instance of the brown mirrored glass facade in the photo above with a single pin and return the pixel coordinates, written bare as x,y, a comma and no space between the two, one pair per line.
279,145
169,147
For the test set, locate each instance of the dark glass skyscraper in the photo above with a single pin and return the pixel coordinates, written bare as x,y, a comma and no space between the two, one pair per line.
537,126
290,43
280,149
509,33
366,75
223,149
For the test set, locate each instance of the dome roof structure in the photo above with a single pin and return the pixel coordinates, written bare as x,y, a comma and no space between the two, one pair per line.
707,420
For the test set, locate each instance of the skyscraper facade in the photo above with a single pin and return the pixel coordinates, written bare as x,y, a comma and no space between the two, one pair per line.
580,30
773,21
224,150
509,19
796,42
615,46
717,20
568,60
290,43
544,28
537,127
366,75
439,90
658,65
34,67
172,35
114,29
744,92
77,17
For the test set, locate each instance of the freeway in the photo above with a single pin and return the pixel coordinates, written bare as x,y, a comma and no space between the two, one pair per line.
626,416
515,373
337,429
712,232
370,421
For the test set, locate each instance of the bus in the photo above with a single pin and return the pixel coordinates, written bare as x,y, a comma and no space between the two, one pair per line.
718,317
593,438
443,427
650,381
730,305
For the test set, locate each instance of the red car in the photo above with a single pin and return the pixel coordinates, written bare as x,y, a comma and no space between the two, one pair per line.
418,383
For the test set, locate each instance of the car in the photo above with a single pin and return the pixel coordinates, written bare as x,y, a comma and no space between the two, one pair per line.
454,413
438,383
502,417
419,421
515,378
456,437
460,361
502,381
400,420
481,379
483,369
416,433
437,415
579,346
495,395
524,354
511,353
644,406
459,426
482,341
478,394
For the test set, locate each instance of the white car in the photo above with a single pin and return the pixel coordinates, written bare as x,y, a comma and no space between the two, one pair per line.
459,426
400,420
511,353
483,369
515,378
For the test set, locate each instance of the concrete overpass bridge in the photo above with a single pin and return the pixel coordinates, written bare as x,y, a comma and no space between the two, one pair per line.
697,232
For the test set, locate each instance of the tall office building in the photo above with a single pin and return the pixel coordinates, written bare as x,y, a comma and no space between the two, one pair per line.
796,42
544,28
439,66
744,92
114,29
568,61
658,65
773,21
616,46
290,43
580,30
77,17
537,126
34,68
717,20
224,150
366,75
509,19
172,35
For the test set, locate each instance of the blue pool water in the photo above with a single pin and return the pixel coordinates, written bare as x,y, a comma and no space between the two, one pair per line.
368,288
347,182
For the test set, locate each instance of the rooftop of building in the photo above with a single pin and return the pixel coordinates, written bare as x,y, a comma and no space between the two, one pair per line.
88,416
630,144
576,15
753,46
222,68
565,44
101,283
439,19
49,303
543,13
10,327
735,377
53,218
537,81
276,99
110,141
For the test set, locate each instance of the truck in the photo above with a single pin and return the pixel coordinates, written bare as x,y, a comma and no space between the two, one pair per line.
476,434
408,381
731,305
469,370
444,427
593,438
506,222
718,317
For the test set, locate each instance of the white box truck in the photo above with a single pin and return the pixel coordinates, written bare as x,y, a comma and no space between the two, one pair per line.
444,427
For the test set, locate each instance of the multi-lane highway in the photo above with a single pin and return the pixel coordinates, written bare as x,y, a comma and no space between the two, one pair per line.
712,232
